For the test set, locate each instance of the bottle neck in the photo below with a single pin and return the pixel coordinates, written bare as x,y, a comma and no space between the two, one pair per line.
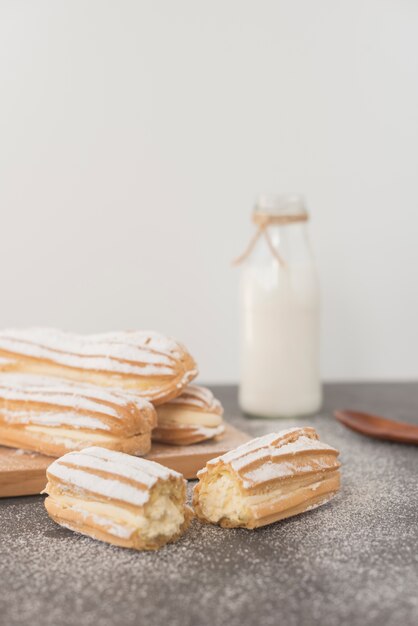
291,241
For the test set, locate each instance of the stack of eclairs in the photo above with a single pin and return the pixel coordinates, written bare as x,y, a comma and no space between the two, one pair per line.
61,392
97,402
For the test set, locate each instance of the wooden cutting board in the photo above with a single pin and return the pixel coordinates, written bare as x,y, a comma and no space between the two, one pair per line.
23,473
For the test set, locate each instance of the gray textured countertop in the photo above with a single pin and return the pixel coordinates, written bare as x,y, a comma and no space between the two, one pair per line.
353,561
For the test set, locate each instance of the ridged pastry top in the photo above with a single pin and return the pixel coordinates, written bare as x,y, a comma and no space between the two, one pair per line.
26,399
199,398
137,354
278,456
108,475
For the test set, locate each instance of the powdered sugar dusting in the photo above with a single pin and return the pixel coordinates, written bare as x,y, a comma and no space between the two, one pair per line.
253,446
137,463
273,471
137,353
54,391
87,461
53,418
351,562
82,481
271,446
73,468
199,397
303,444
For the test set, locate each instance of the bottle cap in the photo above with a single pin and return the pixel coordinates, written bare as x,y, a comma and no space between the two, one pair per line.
281,204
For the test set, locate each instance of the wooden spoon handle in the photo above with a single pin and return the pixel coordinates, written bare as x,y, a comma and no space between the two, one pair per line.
378,427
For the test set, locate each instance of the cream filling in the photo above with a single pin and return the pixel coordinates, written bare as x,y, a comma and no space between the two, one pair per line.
167,415
222,498
162,517
208,432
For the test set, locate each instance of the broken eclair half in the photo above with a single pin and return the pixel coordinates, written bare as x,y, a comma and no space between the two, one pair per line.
267,479
117,498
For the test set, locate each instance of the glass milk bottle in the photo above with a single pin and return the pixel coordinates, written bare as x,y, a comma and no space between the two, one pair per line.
279,302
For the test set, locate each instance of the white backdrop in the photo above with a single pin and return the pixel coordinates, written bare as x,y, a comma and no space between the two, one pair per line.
134,136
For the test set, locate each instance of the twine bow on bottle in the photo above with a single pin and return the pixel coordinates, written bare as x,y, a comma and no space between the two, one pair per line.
263,221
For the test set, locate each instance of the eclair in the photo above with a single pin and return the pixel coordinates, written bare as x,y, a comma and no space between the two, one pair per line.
153,366
195,415
53,416
267,479
117,498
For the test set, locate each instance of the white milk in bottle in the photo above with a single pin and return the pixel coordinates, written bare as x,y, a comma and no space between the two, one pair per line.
279,301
